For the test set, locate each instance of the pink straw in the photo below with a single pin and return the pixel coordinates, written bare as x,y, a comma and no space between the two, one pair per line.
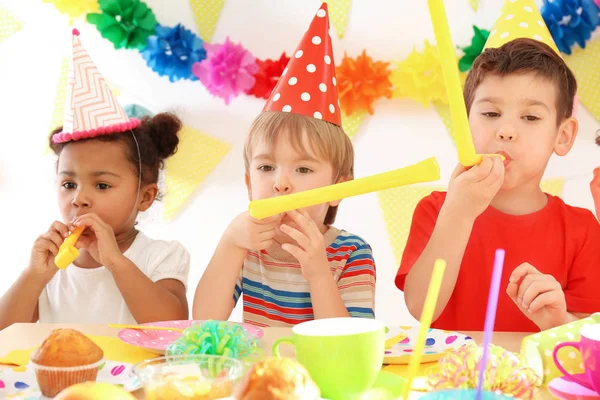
490,316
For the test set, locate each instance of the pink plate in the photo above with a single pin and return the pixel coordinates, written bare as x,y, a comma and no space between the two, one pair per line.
158,341
565,389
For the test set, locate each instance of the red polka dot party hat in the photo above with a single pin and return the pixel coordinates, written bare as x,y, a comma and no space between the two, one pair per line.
307,85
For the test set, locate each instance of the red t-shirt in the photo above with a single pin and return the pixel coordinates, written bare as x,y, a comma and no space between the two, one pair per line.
560,240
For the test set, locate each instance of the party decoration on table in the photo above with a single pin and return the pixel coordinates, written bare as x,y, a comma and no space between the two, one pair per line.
424,171
586,67
473,51
158,341
218,338
419,77
9,24
125,23
269,72
75,8
67,253
197,155
206,14
570,21
22,383
171,52
462,132
437,343
227,71
425,322
361,81
537,349
490,317
566,389
340,11
505,372
308,85
147,327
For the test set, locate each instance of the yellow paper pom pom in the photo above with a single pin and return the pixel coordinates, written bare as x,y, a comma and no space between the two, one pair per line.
75,8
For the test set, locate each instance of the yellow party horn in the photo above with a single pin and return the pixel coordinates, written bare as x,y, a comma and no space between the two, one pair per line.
458,111
67,253
426,317
425,171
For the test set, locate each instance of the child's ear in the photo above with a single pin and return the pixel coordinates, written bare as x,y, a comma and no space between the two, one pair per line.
567,132
148,194
248,186
337,202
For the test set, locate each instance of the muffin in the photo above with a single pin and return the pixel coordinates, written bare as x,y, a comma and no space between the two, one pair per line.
277,378
65,358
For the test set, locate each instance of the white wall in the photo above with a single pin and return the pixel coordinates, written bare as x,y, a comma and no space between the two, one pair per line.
400,133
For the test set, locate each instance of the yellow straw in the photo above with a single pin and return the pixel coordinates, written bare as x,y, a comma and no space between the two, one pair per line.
145,327
458,111
426,317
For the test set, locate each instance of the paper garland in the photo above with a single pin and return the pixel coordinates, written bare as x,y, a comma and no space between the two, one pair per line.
9,24
197,155
339,11
585,64
351,123
206,13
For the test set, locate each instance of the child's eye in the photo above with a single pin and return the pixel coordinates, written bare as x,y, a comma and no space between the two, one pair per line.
266,168
103,186
531,118
490,114
304,170
69,185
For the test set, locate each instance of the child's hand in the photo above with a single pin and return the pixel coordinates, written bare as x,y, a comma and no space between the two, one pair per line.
540,297
101,243
471,191
46,248
310,251
250,233
595,188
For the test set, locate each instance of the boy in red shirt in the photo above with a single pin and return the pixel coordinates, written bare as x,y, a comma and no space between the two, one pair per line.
519,96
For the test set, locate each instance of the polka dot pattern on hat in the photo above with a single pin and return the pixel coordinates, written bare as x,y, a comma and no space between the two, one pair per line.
309,86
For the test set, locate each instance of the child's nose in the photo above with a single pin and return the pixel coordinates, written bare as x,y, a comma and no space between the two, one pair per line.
507,132
282,185
81,199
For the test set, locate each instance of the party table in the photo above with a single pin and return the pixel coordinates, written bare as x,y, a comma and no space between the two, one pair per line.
25,336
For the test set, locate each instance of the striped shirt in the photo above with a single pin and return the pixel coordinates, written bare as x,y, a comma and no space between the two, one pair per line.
276,293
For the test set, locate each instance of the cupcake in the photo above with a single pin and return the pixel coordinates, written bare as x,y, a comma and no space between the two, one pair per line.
65,358
277,378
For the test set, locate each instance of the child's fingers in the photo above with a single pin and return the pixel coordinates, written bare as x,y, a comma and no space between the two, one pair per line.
266,221
48,245
511,290
547,299
457,171
479,172
521,271
54,237
537,287
295,251
61,228
295,234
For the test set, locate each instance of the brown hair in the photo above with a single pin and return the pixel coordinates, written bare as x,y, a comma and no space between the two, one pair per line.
521,56
327,140
157,140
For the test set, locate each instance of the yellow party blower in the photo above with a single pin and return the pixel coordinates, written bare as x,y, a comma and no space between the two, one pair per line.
425,171
67,253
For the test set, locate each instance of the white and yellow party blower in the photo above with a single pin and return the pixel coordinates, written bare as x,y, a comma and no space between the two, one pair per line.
425,171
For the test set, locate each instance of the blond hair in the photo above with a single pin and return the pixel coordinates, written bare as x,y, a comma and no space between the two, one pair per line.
327,140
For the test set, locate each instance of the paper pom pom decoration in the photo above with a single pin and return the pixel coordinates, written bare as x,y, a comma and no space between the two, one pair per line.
216,338
227,71
570,22
472,51
361,81
269,72
75,8
171,52
126,23
505,372
419,77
